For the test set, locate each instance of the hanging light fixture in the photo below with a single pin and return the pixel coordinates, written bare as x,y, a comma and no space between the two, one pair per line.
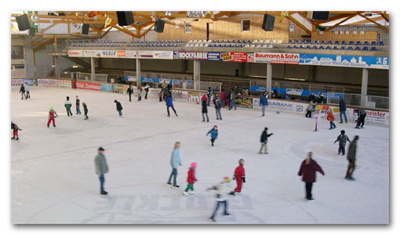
35,18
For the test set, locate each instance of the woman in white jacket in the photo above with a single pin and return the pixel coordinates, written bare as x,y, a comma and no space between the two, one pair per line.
318,116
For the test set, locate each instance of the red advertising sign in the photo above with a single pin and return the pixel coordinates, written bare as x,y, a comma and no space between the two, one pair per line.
89,86
234,56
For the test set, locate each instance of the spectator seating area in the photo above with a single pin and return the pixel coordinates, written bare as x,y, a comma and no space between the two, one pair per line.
335,45
233,43
122,43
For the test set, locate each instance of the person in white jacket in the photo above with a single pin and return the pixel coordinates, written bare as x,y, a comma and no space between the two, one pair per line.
318,116
223,190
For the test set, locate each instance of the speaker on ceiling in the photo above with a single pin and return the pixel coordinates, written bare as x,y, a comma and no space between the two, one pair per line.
23,22
125,18
85,29
268,22
159,26
320,15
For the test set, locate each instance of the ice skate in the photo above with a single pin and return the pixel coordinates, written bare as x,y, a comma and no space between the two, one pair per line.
104,193
176,186
185,193
13,137
212,219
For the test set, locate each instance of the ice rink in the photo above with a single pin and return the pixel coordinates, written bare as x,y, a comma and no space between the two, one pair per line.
53,179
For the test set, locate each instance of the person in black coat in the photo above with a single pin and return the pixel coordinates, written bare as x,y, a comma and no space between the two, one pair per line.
85,110
308,170
312,97
342,109
119,107
204,110
130,91
264,139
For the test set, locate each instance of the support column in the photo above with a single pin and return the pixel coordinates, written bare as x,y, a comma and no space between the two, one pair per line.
269,79
364,87
138,71
92,69
196,74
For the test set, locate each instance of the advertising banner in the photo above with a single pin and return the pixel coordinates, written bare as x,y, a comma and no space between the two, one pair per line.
245,102
75,53
345,61
64,83
108,54
16,82
88,86
190,55
91,53
373,117
282,106
165,55
250,57
234,56
106,87
276,58
47,82
130,78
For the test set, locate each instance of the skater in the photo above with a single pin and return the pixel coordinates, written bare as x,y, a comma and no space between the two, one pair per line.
311,108
15,129
22,91
342,138
214,134
217,104
169,104
139,93
342,109
191,179
27,89
223,96
308,169
119,107
204,110
101,168
77,103
263,102
223,190
264,140
351,157
146,89
85,110
318,116
52,115
175,162
361,118
160,94
331,119
240,177
232,97
68,106
209,94
130,91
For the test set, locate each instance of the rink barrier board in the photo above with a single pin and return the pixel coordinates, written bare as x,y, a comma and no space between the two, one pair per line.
374,117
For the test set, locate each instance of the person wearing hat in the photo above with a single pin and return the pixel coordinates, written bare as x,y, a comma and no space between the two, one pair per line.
240,177
223,189
101,168
119,107
191,179
214,134
52,115
342,138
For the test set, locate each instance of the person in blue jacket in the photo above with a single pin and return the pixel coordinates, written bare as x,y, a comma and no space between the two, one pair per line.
170,104
263,102
342,109
175,162
214,134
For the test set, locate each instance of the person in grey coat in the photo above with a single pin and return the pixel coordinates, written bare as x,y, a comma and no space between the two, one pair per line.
101,168
310,108
351,157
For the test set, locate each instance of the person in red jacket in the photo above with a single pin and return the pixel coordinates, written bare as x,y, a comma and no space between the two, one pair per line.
331,118
240,178
52,115
308,169
15,129
190,179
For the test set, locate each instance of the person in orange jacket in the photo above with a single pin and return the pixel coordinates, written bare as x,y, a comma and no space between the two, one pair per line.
331,118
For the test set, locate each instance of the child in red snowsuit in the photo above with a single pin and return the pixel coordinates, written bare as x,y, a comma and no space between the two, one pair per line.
52,115
15,129
191,179
240,177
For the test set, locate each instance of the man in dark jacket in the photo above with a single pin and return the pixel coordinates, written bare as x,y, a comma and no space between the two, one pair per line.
361,118
321,98
308,169
204,111
264,139
351,157
130,91
312,97
217,104
209,94
342,109
119,107
85,110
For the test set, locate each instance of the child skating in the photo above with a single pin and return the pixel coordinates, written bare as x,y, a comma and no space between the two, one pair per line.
264,140
15,129
318,116
331,120
191,179
223,190
240,177
342,138
52,115
214,134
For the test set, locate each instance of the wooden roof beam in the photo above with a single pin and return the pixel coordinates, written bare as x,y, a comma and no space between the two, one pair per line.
338,24
298,24
379,25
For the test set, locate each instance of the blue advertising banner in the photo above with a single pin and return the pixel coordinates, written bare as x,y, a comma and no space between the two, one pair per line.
106,87
345,61
214,56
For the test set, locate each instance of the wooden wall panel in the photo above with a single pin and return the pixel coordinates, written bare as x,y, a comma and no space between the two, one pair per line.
329,35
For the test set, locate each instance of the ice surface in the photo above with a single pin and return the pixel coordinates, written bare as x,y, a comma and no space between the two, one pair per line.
54,182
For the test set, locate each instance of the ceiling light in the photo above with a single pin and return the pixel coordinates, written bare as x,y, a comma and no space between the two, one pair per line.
35,18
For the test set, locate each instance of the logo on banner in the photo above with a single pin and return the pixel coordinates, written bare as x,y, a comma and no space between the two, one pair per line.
277,58
193,55
110,53
121,53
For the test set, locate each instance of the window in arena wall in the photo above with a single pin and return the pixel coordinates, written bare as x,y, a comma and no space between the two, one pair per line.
188,27
245,25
